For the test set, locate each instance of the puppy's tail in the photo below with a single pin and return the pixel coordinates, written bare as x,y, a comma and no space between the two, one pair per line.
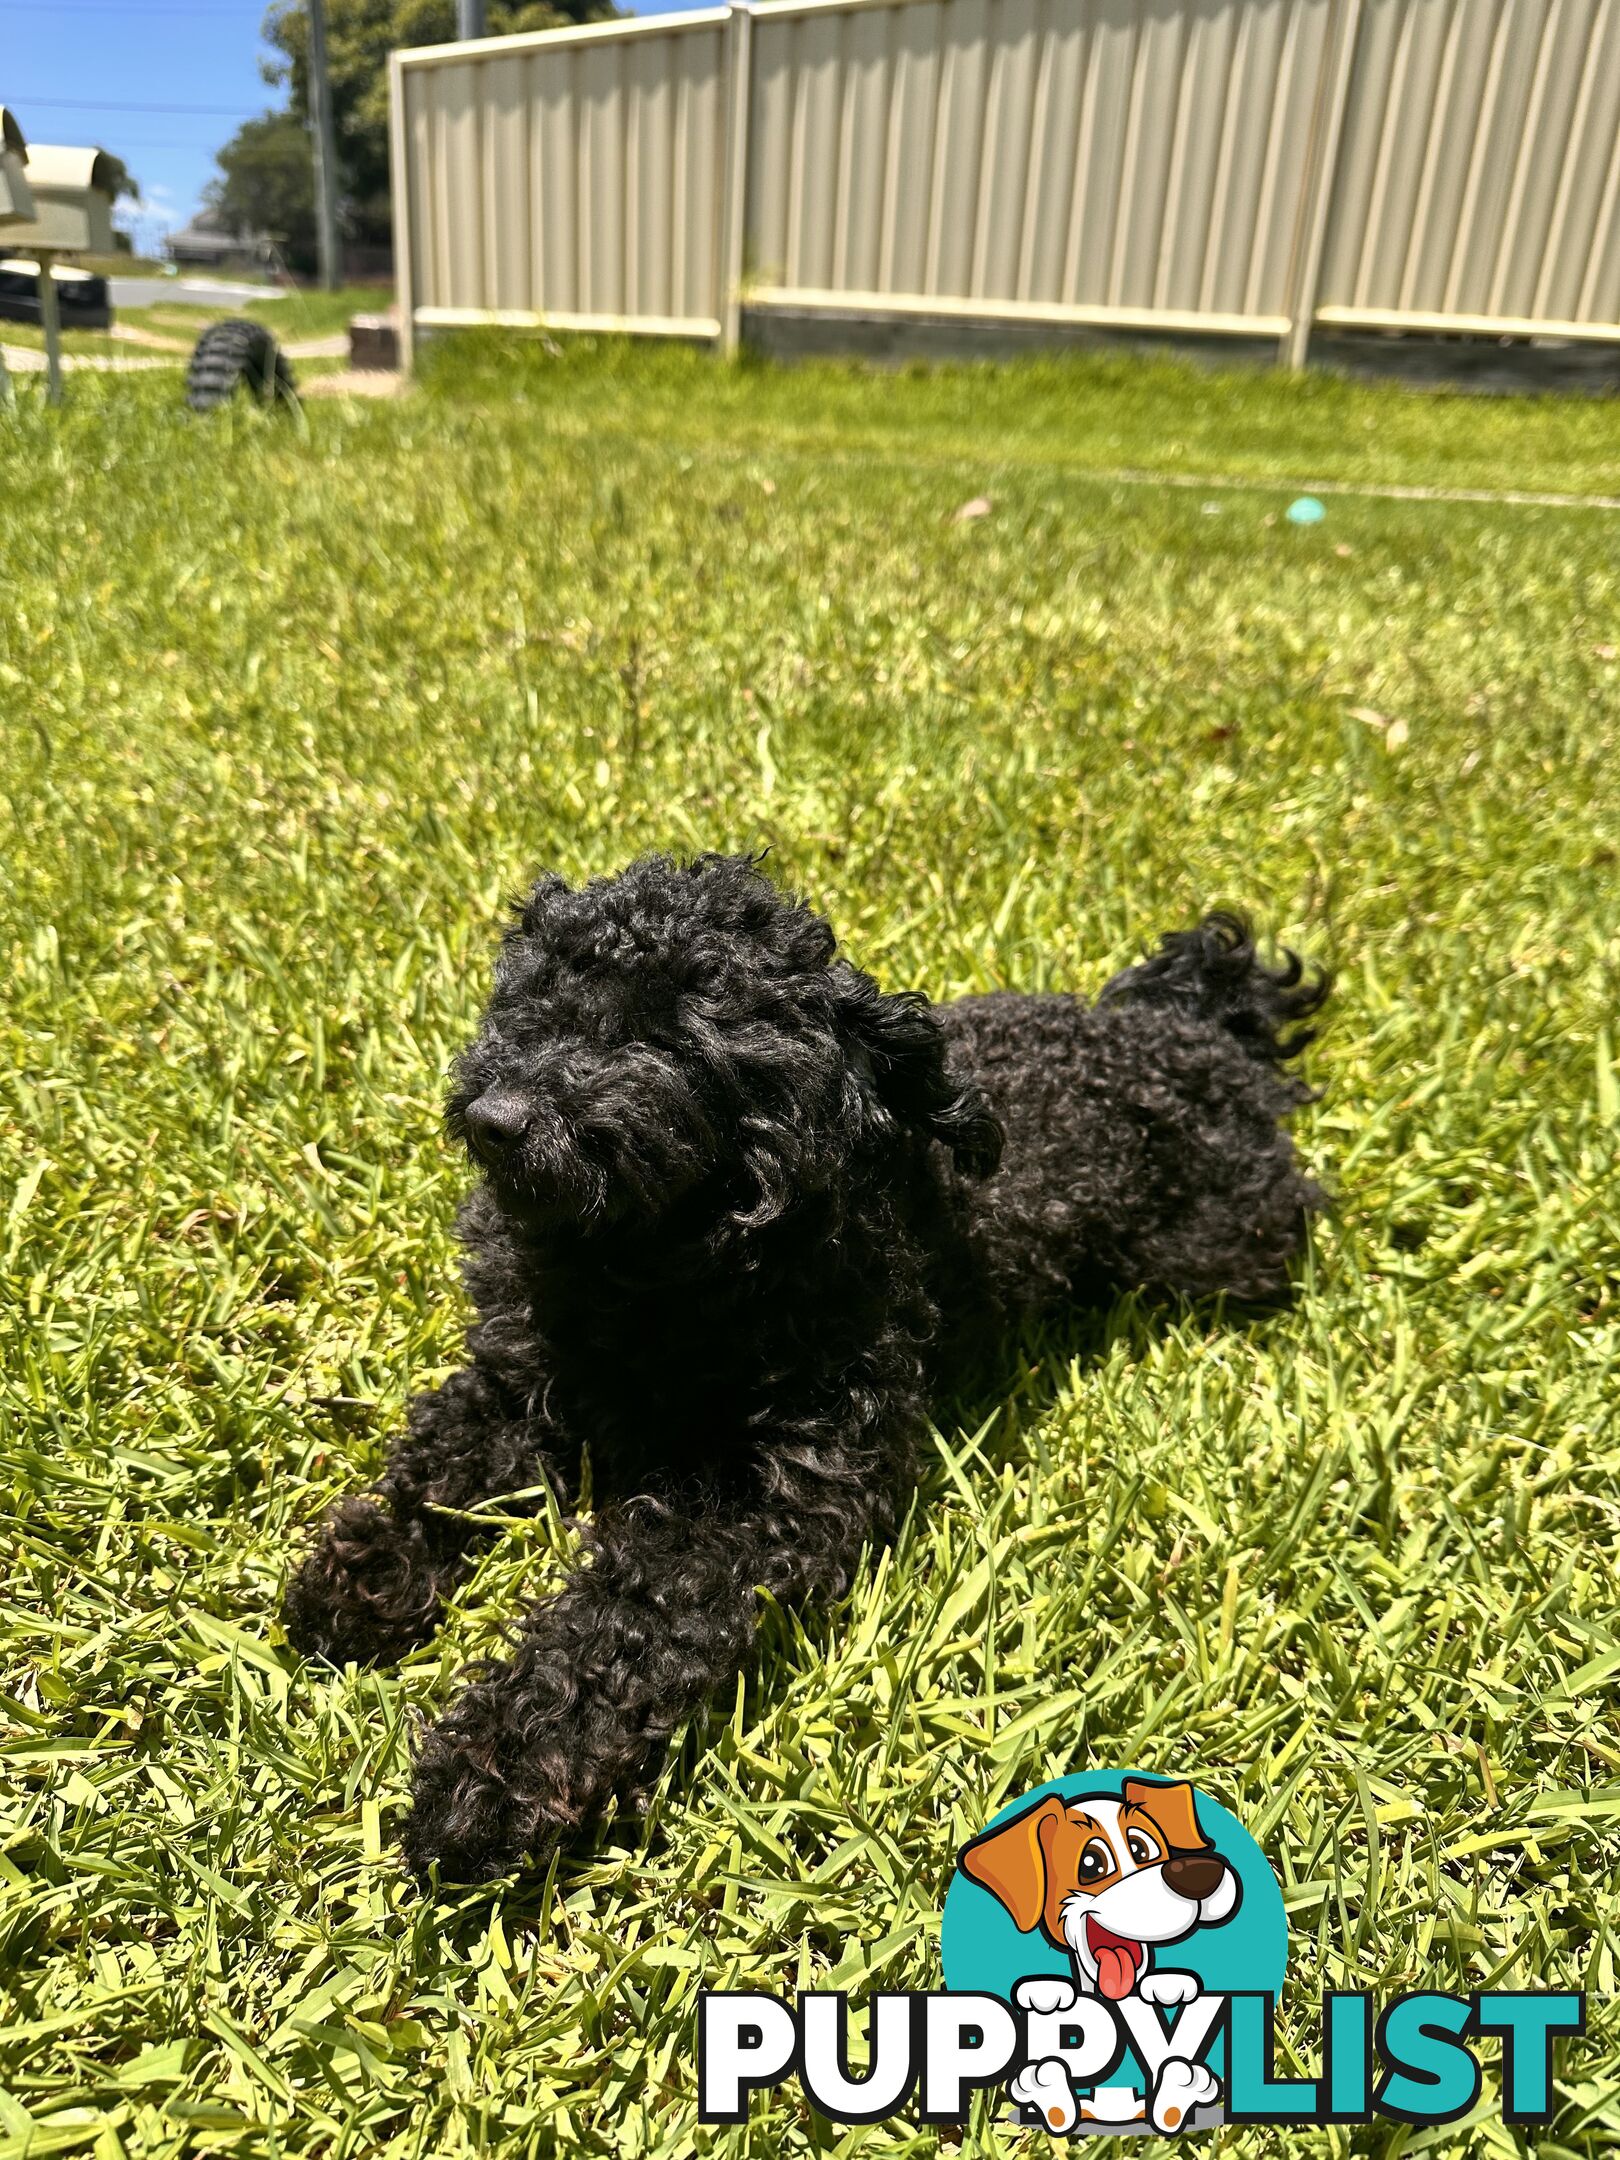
1215,974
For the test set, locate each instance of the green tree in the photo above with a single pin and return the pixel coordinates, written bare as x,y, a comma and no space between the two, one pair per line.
267,185
123,180
360,34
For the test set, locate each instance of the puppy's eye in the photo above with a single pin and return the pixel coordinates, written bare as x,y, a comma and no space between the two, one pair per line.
1095,1862
1141,1848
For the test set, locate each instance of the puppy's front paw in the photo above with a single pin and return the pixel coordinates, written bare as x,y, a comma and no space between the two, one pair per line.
1168,1987
1045,2087
1180,2087
369,1591
493,1786
469,1817
1045,1993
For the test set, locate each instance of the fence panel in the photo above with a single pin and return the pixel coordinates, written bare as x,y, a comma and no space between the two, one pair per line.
1478,170
572,177
1097,159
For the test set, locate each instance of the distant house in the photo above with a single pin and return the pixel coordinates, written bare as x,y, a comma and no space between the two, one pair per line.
206,244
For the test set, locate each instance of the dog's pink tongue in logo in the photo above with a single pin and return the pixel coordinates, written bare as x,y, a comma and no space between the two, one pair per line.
1118,1959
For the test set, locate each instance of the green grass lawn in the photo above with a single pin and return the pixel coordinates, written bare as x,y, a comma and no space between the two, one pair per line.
30,337
289,710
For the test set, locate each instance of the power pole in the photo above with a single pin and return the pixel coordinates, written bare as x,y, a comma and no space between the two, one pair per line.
469,18
325,141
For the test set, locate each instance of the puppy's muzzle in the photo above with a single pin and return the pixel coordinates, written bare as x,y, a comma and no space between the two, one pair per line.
538,1161
496,1122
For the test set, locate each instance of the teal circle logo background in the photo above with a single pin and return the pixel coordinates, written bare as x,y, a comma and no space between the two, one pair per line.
983,1952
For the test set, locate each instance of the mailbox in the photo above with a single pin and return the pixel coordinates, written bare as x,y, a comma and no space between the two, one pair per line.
16,197
72,191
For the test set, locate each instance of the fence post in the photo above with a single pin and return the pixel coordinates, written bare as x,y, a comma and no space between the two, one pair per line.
1321,171
734,218
399,183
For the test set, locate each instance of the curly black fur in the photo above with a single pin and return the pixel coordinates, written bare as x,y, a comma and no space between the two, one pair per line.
739,1210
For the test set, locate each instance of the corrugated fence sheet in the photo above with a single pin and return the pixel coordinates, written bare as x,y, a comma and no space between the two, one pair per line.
1243,166
1122,155
572,175
1478,171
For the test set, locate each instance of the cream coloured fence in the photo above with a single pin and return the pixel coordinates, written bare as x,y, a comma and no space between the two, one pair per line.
571,177
1479,171
1242,167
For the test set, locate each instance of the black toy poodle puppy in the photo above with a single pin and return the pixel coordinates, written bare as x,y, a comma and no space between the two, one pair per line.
740,1211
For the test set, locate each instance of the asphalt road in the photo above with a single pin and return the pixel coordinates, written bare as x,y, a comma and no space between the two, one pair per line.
139,292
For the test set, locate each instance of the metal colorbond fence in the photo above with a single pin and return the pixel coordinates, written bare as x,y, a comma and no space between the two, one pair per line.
1478,169
1248,167
570,174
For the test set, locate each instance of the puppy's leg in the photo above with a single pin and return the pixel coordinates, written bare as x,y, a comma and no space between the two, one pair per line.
1198,1084
662,1618
373,1586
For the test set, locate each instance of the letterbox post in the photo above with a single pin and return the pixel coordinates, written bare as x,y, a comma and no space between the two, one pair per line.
52,322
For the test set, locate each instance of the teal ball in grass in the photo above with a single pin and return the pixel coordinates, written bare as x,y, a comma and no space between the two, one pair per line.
1305,510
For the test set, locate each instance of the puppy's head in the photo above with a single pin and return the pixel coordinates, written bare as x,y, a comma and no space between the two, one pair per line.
685,1031
1107,1879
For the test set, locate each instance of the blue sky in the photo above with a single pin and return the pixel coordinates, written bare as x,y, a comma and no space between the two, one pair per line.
58,58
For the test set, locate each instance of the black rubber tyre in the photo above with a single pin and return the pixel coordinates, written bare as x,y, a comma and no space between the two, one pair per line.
237,355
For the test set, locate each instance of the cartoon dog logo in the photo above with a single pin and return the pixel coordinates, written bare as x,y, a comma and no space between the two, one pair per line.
1112,1882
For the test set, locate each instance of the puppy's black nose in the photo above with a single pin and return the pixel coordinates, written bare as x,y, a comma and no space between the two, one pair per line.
1195,1875
494,1122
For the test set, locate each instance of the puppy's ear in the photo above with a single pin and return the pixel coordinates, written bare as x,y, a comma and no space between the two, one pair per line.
1173,1808
1010,1862
897,1050
532,908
